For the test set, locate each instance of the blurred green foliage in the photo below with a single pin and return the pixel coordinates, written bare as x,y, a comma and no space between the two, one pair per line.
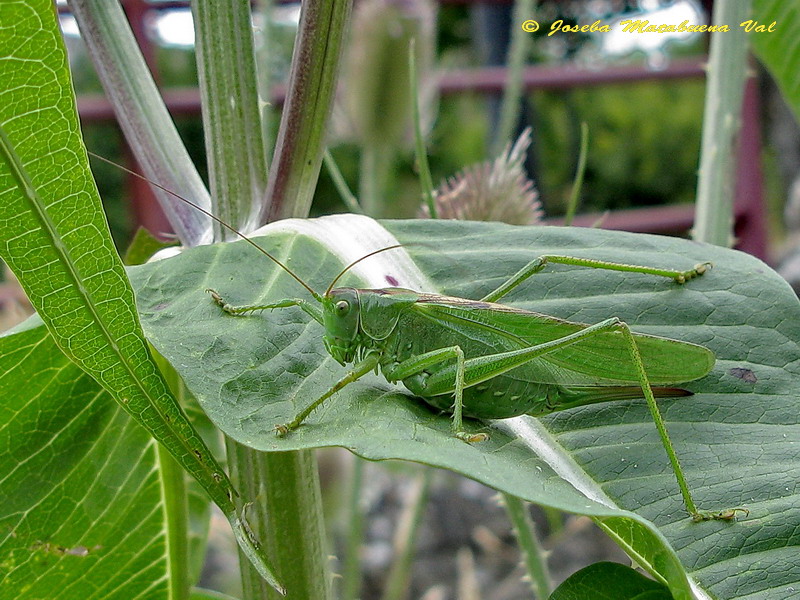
644,144
643,151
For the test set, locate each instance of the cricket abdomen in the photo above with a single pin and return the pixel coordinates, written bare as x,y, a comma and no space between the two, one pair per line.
502,397
490,401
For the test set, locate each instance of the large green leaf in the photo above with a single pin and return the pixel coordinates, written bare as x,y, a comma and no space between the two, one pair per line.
82,514
734,436
609,581
67,450
54,236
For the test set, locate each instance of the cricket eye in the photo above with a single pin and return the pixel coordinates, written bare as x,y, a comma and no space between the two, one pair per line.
342,307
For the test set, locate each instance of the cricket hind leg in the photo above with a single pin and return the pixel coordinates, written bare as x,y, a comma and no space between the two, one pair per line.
419,364
691,508
477,369
539,263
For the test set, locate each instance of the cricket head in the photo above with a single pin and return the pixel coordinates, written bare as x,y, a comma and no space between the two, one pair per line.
340,316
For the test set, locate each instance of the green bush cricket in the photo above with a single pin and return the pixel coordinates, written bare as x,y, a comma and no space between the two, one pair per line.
481,359
486,360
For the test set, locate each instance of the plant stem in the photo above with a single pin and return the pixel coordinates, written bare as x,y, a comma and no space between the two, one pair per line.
533,553
230,106
295,524
351,571
284,509
512,94
143,117
263,40
246,473
174,491
376,162
350,201
284,487
555,521
577,184
176,511
397,584
312,83
425,179
727,70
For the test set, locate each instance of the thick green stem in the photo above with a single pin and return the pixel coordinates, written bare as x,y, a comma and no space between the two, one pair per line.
281,501
231,118
727,70
295,523
245,470
280,495
312,83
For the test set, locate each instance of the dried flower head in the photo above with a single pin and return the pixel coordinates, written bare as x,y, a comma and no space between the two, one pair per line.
497,190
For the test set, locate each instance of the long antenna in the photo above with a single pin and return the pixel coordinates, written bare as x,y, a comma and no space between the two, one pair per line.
355,262
221,222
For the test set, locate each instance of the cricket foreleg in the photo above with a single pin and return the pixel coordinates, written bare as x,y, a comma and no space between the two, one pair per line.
539,263
419,364
307,307
359,370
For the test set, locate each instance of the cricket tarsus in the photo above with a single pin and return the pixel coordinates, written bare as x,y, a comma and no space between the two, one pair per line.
722,515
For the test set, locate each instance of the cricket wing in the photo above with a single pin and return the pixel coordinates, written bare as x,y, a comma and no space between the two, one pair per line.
603,358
